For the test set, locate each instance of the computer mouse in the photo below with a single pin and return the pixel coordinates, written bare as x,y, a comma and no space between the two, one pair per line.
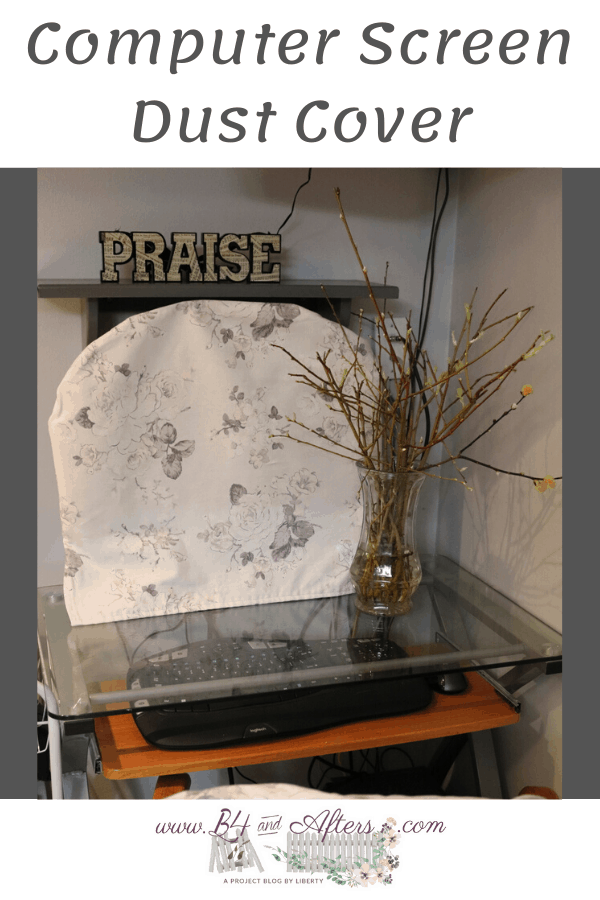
449,683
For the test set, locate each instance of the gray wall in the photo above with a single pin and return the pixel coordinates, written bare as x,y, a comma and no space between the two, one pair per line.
509,235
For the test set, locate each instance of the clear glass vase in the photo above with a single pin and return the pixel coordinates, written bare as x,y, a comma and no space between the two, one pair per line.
386,570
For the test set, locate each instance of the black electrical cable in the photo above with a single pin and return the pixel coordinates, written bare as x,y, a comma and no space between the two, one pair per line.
417,378
125,648
309,773
286,220
312,615
428,290
431,260
429,249
155,633
328,766
320,781
365,758
241,774
399,750
426,295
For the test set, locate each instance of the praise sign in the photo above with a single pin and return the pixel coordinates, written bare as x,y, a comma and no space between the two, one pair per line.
230,257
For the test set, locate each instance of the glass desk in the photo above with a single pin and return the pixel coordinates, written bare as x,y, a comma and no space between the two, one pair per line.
457,623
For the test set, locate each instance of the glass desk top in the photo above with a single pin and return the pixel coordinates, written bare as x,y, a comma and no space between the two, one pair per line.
457,622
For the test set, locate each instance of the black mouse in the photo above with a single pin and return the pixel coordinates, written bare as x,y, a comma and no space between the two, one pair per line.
449,682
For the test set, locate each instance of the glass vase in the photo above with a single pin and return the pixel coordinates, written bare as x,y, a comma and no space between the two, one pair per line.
386,570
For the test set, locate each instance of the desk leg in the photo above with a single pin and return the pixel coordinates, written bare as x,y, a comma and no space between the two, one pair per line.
75,750
54,741
486,764
167,785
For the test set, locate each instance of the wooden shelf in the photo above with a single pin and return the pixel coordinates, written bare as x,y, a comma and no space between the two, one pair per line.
125,753
292,289
109,304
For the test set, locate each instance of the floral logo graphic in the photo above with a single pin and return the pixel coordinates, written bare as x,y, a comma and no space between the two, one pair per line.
349,867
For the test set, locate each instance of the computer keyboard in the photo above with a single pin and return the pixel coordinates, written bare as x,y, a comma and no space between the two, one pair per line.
239,658
274,688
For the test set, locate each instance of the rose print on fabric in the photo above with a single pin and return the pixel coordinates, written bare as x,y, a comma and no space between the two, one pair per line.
73,562
233,340
131,600
123,404
294,532
129,421
156,493
68,512
242,340
256,422
253,517
198,311
114,406
90,458
151,544
272,316
161,443
139,327
170,392
240,346
93,364
265,528
317,415
303,482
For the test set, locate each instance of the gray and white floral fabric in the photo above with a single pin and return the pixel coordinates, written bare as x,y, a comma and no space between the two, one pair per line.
282,791
179,487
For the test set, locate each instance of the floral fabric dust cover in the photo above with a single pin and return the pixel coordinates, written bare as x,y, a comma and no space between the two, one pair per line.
178,488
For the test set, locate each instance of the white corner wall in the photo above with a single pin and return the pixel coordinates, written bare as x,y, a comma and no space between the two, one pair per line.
509,235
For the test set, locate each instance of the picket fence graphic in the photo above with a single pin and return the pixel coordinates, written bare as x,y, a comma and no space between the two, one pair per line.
307,852
233,856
